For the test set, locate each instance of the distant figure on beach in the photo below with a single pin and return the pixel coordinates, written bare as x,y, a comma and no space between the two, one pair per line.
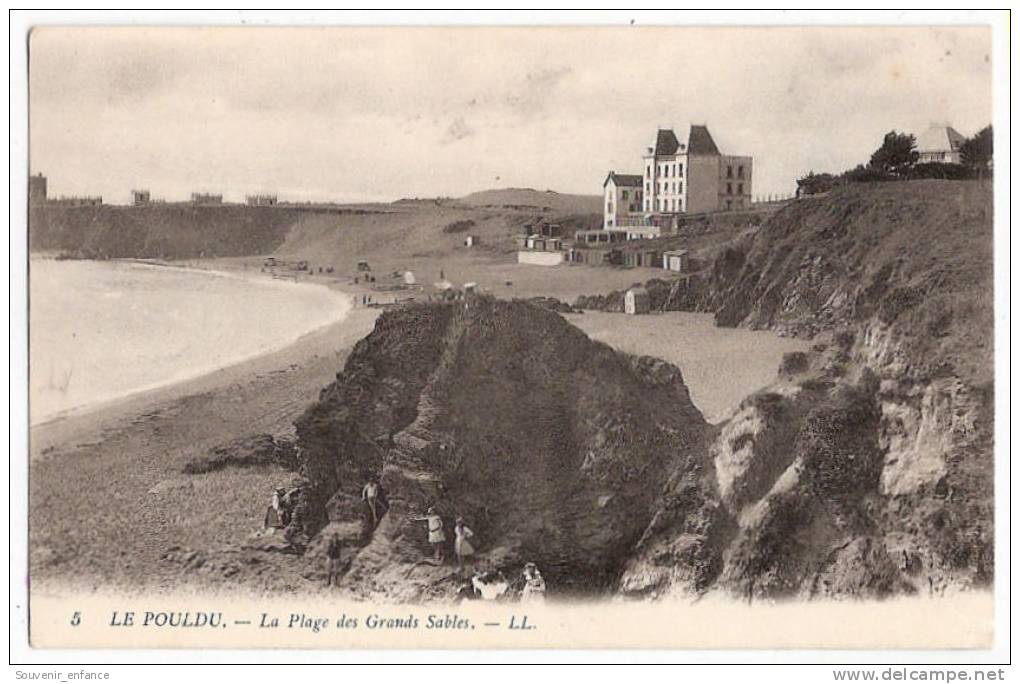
364,300
370,494
277,516
333,549
437,537
462,548
534,585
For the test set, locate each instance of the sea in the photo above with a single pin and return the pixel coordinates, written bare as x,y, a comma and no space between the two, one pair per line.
102,330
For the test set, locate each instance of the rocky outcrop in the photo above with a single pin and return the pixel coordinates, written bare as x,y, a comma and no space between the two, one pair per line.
251,450
553,447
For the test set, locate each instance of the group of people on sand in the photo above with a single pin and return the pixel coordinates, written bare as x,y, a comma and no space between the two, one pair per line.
463,549
488,585
534,587
493,586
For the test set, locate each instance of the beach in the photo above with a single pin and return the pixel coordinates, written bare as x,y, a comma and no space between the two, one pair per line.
119,467
94,515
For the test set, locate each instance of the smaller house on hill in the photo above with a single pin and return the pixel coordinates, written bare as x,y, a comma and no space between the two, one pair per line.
939,144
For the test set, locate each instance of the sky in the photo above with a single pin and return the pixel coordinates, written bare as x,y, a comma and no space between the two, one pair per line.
377,114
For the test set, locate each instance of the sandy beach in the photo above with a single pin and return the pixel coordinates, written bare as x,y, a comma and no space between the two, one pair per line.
103,466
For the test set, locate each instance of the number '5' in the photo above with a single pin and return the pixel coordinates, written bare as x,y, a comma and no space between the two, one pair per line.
76,618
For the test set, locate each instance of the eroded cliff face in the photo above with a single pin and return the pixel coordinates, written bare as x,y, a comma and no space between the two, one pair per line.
866,470
551,446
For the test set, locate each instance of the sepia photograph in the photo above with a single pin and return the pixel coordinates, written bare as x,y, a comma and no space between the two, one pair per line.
553,336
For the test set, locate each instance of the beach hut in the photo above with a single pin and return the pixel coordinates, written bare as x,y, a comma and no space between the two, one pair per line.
409,278
676,260
471,241
637,301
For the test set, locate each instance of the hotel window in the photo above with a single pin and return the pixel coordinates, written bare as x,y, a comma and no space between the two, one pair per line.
679,169
680,187
648,186
729,188
740,188
740,172
624,194
729,172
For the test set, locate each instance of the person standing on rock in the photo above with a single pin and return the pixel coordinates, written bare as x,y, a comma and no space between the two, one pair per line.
462,548
333,549
534,585
274,519
437,537
370,495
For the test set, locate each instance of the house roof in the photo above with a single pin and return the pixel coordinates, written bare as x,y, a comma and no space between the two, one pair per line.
624,179
940,139
666,142
699,141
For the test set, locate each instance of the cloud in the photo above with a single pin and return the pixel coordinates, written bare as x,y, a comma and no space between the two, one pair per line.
457,130
339,111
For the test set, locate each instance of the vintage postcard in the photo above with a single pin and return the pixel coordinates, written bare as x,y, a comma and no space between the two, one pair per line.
511,337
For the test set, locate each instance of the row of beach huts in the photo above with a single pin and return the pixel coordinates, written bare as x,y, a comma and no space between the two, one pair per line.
545,245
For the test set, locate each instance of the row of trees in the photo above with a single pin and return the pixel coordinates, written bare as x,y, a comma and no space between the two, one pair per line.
896,159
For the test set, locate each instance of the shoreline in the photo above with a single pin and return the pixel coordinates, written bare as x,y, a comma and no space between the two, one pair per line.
76,424
343,299
124,465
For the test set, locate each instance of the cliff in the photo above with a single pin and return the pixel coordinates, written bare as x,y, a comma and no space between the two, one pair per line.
334,234
866,470
170,231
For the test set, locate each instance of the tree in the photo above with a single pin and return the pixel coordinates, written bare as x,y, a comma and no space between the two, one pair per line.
815,183
896,154
976,152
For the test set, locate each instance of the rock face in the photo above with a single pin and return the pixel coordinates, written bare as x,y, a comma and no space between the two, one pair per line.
170,231
553,448
867,469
